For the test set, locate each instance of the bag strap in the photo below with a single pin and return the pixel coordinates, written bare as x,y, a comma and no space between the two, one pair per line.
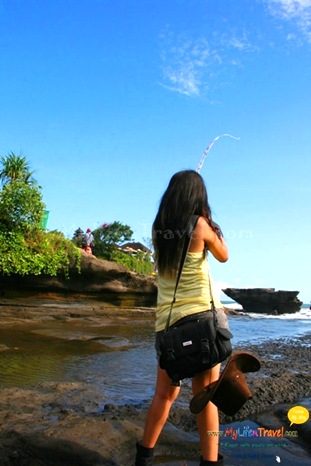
189,231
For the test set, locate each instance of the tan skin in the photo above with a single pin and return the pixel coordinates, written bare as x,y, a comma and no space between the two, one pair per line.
204,237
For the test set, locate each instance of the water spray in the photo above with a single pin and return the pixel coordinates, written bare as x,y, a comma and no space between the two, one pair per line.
200,165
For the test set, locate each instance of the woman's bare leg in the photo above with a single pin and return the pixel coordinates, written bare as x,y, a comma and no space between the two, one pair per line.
208,419
165,395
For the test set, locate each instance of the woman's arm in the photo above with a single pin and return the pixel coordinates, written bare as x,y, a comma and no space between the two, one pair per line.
205,237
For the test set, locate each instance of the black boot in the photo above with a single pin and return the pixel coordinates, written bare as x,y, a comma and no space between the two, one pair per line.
144,456
219,462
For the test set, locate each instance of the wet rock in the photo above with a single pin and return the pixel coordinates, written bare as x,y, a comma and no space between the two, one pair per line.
265,300
53,423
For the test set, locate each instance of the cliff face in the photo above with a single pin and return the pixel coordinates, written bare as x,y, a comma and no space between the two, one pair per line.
265,300
101,279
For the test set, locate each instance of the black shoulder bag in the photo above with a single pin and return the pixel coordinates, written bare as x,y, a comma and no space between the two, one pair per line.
196,342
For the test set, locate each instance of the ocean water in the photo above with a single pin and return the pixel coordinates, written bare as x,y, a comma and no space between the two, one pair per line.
256,328
118,359
138,365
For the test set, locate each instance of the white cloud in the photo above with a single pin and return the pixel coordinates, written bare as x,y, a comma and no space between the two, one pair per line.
296,11
184,65
241,43
290,8
189,64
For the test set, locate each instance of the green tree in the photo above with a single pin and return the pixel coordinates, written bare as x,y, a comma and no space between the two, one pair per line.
21,206
108,237
15,167
24,247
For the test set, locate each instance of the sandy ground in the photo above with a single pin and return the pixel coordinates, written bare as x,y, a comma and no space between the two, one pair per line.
66,424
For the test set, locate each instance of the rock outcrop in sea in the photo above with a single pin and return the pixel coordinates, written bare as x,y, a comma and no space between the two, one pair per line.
265,300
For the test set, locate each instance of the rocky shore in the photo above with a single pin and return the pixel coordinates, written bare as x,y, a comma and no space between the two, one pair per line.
67,424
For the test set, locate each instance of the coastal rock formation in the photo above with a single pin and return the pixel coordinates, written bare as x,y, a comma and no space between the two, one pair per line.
101,279
265,300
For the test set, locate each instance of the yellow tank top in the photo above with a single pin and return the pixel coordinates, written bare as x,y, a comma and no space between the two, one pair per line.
193,293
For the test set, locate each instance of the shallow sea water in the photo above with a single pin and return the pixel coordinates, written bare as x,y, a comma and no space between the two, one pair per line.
118,358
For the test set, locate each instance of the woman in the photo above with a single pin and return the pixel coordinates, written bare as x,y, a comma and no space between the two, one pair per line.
185,196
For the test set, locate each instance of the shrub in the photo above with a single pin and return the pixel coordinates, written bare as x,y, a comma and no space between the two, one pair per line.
139,263
38,253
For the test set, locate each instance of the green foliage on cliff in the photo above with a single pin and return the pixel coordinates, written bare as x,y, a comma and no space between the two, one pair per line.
24,247
43,252
21,204
139,262
109,237
107,241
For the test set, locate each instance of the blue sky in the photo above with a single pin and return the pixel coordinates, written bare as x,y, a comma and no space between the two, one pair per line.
107,99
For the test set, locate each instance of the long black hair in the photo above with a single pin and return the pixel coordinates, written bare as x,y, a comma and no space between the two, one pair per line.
185,196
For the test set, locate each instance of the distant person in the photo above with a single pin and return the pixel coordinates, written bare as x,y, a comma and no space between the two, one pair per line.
88,241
